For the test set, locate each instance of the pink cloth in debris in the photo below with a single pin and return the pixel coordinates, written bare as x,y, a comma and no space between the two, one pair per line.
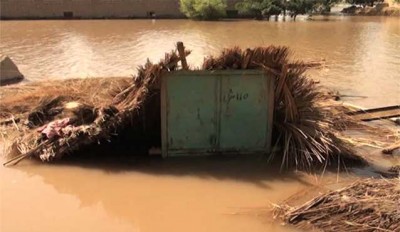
54,128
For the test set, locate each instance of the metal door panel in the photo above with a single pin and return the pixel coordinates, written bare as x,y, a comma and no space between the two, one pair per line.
191,113
244,116
209,112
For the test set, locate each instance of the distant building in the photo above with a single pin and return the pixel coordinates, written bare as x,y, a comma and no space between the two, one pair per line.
36,9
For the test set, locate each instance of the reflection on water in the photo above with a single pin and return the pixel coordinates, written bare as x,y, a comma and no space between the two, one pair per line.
362,54
192,194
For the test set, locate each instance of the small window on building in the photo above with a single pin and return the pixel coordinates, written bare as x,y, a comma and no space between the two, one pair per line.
151,14
68,14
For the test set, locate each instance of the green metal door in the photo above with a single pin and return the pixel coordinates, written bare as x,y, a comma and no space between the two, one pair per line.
244,115
191,115
208,112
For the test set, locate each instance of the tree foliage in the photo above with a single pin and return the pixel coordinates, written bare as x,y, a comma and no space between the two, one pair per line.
257,8
203,10
266,8
364,2
297,7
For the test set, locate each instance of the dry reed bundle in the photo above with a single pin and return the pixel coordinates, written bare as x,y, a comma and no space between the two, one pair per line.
301,123
368,205
109,119
23,99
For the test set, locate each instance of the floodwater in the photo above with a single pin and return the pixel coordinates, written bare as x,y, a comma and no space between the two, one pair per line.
190,194
361,54
361,58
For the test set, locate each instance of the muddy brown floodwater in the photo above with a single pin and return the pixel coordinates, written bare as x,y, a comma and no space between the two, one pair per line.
362,54
362,58
190,194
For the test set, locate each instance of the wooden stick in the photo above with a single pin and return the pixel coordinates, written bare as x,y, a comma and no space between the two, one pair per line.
19,158
120,96
389,150
380,109
182,55
11,120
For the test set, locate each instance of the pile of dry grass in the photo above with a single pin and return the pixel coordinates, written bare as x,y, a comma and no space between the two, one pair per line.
17,100
110,115
368,205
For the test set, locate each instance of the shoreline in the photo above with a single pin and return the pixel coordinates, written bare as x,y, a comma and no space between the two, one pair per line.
387,11
369,11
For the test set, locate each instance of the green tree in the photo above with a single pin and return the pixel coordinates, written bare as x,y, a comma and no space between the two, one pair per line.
203,9
297,7
326,5
259,8
364,2
273,8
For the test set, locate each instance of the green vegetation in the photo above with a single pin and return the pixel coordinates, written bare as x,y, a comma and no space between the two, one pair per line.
203,10
364,2
254,8
261,9
297,7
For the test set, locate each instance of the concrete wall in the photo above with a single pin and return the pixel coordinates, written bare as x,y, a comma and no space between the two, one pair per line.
92,8
88,8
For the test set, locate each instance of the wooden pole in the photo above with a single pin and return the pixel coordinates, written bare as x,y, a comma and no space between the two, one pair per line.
182,55
389,150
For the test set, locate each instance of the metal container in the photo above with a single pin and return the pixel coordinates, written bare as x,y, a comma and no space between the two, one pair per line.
214,112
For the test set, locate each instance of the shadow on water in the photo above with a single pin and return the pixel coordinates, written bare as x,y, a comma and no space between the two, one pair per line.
251,169
131,185
128,153
124,157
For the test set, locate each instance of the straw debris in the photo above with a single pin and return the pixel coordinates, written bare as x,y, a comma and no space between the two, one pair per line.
369,205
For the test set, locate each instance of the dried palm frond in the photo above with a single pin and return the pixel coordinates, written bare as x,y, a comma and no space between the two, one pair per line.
367,205
109,120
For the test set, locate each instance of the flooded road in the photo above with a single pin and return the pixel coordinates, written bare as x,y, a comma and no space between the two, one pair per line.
361,55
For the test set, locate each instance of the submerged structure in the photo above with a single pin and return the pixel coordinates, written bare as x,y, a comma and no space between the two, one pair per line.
241,101
302,126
